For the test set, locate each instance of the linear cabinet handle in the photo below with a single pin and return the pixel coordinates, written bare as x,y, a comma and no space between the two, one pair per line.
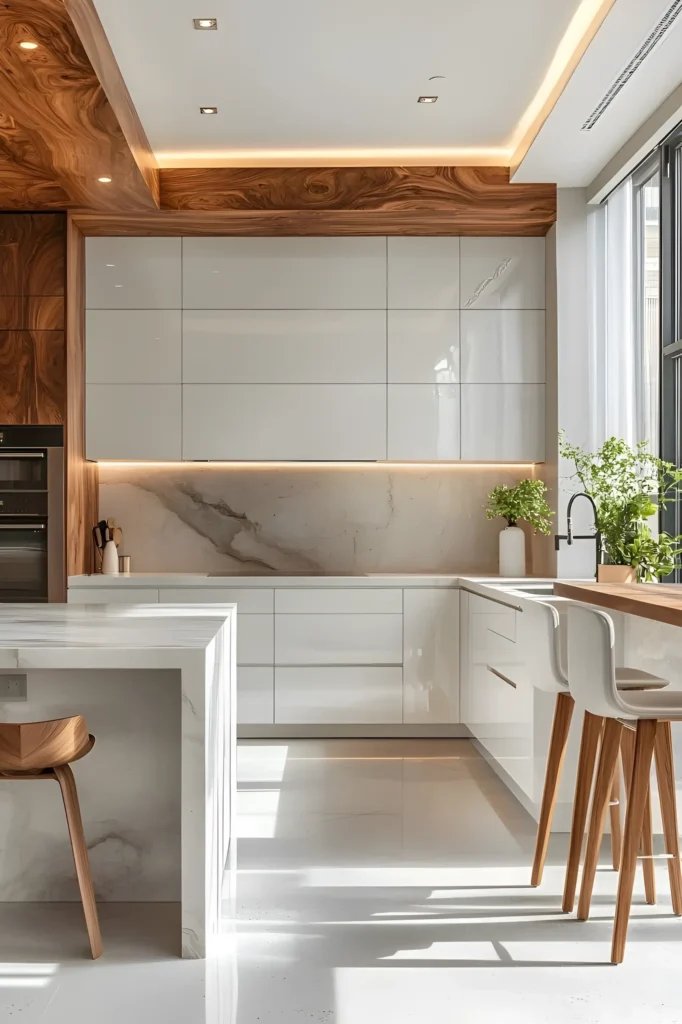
502,676
22,455
22,526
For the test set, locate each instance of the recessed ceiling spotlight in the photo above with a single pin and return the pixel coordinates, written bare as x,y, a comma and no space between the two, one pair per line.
208,110
205,24
104,179
28,45
427,99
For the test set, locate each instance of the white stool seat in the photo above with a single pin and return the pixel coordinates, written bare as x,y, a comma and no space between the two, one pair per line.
637,679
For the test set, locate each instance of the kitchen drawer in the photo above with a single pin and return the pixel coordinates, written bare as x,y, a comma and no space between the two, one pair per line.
338,639
113,595
355,695
249,600
497,616
255,640
341,600
255,696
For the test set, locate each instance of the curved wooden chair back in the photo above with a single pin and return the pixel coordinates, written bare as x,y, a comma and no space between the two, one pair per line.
32,746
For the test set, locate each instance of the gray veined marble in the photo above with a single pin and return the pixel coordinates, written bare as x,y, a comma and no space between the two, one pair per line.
257,520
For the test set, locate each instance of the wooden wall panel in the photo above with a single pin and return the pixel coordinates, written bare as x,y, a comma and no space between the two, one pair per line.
82,477
32,300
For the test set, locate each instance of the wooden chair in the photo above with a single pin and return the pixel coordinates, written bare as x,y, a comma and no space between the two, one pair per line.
44,750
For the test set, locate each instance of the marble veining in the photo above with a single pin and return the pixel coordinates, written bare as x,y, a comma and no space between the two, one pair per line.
480,288
257,520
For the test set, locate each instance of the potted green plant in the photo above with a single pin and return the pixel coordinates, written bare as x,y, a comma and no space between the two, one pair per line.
629,486
526,500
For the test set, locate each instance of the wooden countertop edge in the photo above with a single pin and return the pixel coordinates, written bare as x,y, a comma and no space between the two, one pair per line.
605,595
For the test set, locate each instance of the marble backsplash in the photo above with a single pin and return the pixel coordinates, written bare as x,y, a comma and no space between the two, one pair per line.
345,519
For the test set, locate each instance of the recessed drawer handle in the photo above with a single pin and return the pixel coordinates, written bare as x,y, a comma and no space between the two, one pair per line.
502,676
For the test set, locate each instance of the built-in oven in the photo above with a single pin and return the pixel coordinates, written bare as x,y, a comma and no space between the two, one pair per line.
32,513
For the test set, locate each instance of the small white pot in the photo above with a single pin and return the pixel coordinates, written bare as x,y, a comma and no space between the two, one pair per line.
512,552
110,559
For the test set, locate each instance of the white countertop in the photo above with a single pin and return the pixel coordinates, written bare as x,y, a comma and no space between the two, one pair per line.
154,580
117,627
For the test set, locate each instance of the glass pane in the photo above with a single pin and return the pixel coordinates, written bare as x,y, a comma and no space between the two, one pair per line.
649,302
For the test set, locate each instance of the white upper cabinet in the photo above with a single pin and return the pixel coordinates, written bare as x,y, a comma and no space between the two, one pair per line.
503,346
423,273
133,421
284,346
282,422
424,422
502,273
284,273
133,273
503,422
423,346
133,346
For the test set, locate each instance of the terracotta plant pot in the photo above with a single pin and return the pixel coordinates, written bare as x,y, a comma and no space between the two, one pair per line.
616,574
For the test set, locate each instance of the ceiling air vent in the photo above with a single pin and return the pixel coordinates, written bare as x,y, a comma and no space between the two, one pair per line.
652,40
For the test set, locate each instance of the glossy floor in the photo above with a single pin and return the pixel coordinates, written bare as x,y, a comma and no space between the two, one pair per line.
376,881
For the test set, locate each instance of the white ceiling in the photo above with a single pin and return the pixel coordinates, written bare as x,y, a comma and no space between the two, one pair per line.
316,76
562,152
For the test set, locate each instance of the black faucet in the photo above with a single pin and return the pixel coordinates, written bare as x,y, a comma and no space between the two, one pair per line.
569,536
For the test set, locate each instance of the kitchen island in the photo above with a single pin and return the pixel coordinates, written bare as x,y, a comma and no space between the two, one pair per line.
186,656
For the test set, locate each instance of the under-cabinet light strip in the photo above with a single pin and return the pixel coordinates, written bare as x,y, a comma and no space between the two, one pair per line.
209,464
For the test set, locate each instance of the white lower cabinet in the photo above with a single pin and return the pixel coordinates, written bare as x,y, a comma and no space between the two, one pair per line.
339,695
113,595
338,639
255,694
431,656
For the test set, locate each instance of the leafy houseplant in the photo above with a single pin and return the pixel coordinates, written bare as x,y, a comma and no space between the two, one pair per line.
524,501
628,486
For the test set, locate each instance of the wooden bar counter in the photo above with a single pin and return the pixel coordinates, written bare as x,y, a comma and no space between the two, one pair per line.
661,602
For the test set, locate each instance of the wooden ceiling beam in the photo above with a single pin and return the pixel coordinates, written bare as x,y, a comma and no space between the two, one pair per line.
60,128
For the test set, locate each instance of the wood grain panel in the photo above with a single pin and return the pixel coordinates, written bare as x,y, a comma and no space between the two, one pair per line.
82,477
25,183
32,376
32,312
32,253
68,129
648,600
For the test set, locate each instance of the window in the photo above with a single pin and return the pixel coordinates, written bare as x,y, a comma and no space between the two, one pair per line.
647,268
671,323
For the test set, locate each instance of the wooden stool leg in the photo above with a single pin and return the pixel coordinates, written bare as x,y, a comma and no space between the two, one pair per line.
646,839
634,819
65,778
614,812
563,712
608,758
592,725
665,774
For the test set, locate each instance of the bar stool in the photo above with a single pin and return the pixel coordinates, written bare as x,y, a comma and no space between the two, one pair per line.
592,676
549,673
43,750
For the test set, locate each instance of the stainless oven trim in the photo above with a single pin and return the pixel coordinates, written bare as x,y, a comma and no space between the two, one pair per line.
22,526
56,545
21,455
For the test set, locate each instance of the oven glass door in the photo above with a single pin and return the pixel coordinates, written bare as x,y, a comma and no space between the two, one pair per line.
23,561
23,470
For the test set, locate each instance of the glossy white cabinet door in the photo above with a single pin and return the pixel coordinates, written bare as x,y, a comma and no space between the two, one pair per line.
284,273
295,346
255,696
133,273
341,695
423,346
503,346
249,600
423,273
338,639
423,422
133,346
112,595
503,422
431,656
325,422
339,600
502,273
133,421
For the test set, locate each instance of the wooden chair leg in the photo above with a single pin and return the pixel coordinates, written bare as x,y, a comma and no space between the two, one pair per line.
67,783
665,774
603,787
614,813
634,819
589,742
647,839
563,712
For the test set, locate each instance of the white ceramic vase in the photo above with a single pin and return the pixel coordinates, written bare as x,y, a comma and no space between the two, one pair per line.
110,559
512,552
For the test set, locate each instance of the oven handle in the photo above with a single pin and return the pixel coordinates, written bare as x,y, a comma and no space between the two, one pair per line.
22,526
22,455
